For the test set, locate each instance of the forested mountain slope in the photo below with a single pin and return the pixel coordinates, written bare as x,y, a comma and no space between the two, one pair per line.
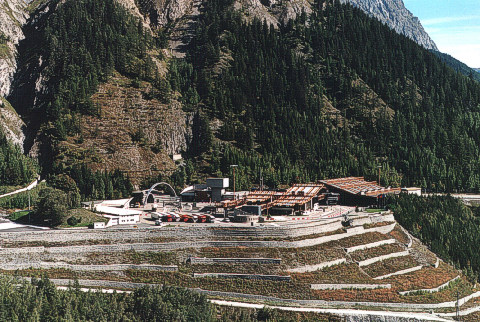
275,102
394,14
331,93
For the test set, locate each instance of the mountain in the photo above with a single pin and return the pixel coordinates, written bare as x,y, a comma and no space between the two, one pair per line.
12,17
329,92
477,69
458,65
394,14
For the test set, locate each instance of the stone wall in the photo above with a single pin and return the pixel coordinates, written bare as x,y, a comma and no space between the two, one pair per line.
312,268
197,231
193,243
244,276
371,245
404,271
381,258
87,268
430,290
349,286
208,261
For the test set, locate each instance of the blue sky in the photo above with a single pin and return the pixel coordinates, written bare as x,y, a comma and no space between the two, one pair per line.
454,25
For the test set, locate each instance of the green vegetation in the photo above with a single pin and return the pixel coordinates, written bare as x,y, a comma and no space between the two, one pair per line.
446,225
15,168
20,200
41,301
81,218
82,43
51,206
18,215
274,102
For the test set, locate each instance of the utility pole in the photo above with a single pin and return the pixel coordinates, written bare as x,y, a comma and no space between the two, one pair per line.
234,166
261,180
379,169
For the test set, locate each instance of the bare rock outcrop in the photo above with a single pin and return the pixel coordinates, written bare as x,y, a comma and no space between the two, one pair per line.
12,18
394,14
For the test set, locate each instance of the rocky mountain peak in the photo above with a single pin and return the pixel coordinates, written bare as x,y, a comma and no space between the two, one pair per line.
398,17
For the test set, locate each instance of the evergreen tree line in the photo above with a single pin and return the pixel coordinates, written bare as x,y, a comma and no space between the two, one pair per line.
448,227
16,169
270,88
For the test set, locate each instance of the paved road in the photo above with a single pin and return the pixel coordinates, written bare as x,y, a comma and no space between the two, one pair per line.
29,187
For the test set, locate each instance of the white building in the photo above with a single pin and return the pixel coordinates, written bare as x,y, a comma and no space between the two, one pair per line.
413,191
118,213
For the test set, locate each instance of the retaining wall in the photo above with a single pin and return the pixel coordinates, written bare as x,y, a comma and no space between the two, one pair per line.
197,231
404,271
209,261
381,258
430,290
169,246
312,268
371,245
244,276
92,268
349,286
323,303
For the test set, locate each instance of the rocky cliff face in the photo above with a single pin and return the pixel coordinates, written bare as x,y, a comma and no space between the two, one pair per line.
161,12
396,16
12,17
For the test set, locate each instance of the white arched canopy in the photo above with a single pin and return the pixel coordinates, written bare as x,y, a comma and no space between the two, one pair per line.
153,187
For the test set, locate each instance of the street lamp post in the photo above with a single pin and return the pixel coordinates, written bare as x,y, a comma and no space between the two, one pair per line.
234,166
379,169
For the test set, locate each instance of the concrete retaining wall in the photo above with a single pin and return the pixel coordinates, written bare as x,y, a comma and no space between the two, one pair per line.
91,268
349,286
243,276
313,268
404,271
209,261
381,258
371,245
322,303
197,231
169,246
430,290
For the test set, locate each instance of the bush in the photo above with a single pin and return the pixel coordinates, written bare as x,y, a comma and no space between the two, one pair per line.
73,221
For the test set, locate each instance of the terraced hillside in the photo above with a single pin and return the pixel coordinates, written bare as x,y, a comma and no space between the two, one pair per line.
374,263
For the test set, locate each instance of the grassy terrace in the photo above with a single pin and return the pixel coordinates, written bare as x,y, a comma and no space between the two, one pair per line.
399,235
291,257
390,265
344,273
426,278
297,288
361,255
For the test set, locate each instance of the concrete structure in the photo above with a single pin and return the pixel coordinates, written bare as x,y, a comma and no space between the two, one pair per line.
217,187
412,191
98,225
117,214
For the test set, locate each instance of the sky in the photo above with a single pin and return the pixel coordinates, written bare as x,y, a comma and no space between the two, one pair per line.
453,25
